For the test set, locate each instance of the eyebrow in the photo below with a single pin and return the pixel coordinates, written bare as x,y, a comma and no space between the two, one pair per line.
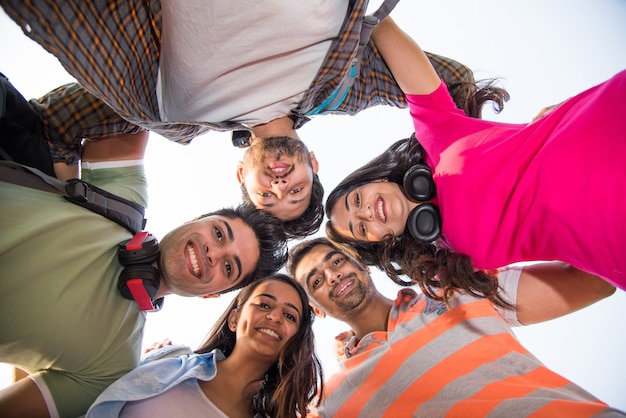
327,257
231,237
290,202
275,299
349,222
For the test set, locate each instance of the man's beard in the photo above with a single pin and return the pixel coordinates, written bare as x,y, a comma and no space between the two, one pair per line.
274,147
354,299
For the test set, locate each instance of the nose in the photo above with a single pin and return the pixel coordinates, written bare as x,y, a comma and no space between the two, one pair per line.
213,255
280,181
332,277
274,315
279,185
365,213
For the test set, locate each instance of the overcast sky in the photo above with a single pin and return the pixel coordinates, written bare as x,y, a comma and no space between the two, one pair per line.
543,50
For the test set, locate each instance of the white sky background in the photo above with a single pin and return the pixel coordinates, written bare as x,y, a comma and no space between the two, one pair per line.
543,50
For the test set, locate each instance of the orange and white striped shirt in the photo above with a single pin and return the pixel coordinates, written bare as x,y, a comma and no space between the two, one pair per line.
459,362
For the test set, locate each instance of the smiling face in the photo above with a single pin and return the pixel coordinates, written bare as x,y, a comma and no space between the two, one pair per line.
372,211
278,176
268,319
207,255
334,281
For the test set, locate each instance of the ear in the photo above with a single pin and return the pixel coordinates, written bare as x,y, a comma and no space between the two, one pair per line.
233,317
240,172
314,164
318,312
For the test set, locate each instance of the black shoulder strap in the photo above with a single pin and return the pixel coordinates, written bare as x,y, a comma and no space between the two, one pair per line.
122,211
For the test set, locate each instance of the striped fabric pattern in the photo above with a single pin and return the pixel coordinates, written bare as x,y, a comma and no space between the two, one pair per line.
462,362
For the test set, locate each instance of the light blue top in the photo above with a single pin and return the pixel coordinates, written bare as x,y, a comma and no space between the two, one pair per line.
155,376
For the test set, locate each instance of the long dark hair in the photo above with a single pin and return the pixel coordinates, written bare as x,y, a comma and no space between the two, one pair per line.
471,97
427,265
296,379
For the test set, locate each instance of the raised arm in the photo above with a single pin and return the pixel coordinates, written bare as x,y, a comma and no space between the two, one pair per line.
550,290
116,148
406,60
23,399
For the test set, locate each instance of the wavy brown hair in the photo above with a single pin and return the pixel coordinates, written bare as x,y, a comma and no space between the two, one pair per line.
471,97
295,381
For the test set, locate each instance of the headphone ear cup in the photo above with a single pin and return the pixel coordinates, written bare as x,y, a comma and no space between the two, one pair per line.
147,273
147,253
424,222
418,183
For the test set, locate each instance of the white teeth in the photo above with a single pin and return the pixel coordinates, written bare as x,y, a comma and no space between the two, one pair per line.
193,259
269,332
379,208
342,288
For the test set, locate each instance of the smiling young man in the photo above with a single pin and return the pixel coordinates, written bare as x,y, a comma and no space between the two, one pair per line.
279,175
414,356
63,319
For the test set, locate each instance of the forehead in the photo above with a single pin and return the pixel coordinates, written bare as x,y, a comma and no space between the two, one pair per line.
282,292
339,213
241,239
234,226
279,292
314,259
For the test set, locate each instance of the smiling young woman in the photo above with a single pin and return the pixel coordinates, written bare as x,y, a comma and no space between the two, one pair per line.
258,359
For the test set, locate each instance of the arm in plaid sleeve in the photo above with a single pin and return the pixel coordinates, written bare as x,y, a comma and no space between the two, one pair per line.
70,113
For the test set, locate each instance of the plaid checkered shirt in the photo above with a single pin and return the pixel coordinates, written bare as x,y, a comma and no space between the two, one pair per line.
112,49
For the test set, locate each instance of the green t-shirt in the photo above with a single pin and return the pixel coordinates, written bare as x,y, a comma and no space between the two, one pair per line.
61,315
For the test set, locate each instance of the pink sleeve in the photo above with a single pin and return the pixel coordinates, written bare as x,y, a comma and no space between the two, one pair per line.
432,114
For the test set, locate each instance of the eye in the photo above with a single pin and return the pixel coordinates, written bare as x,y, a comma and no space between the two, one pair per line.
338,261
296,190
263,305
290,317
357,199
362,228
316,281
218,234
229,268
264,194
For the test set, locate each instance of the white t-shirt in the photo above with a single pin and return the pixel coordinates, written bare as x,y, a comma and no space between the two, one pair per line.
244,61
186,399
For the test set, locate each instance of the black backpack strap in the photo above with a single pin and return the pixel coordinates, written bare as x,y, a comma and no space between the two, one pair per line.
21,130
122,211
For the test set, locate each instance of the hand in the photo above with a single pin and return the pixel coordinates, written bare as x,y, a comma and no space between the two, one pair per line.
341,341
157,345
544,112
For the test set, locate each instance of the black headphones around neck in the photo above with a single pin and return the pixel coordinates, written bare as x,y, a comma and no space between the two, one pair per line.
424,222
139,281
